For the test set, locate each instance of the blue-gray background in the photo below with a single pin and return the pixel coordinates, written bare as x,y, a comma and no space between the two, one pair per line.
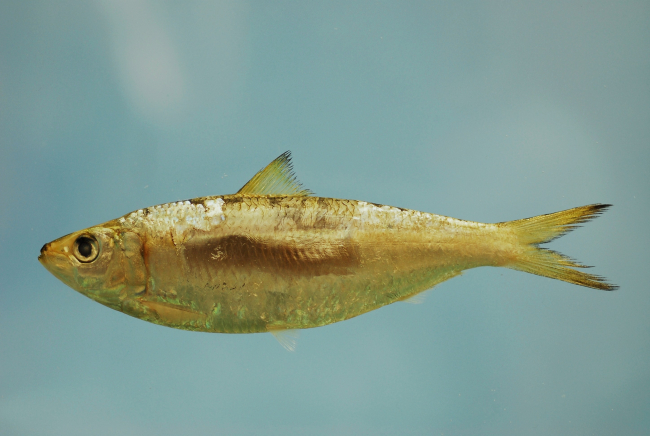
487,111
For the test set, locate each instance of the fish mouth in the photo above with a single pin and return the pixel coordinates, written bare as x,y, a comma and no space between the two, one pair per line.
54,261
55,250
41,257
58,264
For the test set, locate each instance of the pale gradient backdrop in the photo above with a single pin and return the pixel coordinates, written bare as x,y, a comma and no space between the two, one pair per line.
480,110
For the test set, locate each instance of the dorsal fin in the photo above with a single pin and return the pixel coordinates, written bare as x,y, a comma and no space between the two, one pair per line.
276,178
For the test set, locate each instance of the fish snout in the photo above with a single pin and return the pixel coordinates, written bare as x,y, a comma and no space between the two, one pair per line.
54,249
44,249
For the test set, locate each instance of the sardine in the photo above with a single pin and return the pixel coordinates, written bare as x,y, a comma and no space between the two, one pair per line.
275,258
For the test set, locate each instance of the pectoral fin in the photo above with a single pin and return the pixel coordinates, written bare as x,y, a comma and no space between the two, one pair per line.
286,338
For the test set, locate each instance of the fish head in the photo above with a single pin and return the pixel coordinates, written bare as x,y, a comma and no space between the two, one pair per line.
105,263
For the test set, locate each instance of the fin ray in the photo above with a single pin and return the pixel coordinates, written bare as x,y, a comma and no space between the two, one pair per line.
286,338
545,228
416,298
277,178
549,263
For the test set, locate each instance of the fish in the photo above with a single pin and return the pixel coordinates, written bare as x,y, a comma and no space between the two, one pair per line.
276,258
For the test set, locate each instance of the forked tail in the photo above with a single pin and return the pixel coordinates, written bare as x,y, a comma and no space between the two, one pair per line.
544,228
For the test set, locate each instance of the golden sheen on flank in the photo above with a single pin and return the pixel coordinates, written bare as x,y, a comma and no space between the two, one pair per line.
274,258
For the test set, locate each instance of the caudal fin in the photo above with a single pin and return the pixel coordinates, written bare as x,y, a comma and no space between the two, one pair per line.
544,228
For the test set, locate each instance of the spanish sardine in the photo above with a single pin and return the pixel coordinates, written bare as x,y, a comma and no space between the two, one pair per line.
274,258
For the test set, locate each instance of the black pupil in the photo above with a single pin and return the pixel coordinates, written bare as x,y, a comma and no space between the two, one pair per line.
84,246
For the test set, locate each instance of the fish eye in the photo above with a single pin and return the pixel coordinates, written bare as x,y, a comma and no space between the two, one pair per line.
86,249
